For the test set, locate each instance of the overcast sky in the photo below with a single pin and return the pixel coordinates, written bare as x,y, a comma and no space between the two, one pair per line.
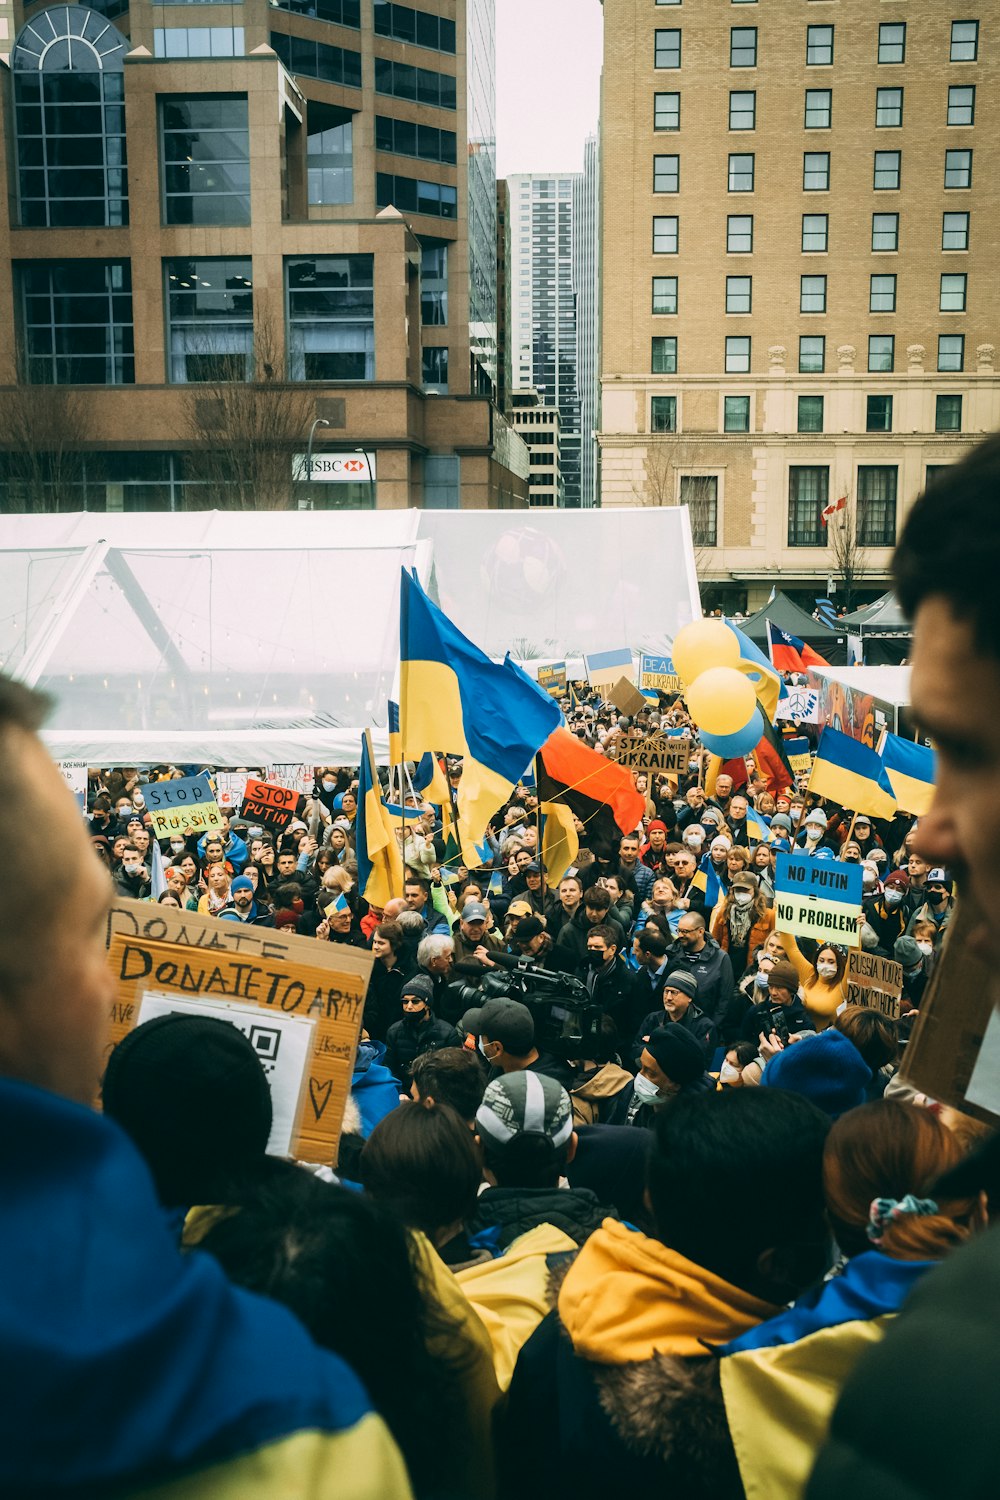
548,83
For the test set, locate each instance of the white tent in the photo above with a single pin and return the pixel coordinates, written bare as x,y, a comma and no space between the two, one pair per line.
239,639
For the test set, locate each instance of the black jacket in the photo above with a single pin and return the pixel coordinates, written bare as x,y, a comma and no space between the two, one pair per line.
693,1020
758,1020
382,1003
712,972
407,1041
576,1211
612,990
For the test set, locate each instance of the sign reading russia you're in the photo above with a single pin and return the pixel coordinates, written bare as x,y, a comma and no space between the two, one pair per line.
818,898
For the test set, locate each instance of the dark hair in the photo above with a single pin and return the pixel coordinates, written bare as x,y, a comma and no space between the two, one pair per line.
735,1173
950,545
745,1052
527,1161
651,941
392,933
875,1035
412,878
607,934
597,898
349,1272
422,1162
452,1076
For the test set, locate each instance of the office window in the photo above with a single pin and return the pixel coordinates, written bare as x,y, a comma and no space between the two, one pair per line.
739,234
810,414
665,234
700,493
416,26
881,353
331,317
815,232
808,492
666,111
434,369
882,294
205,155
888,108
736,414
955,232
819,46
964,41
329,154
951,352
417,85
743,47
743,110
663,414
958,169
664,294
76,322
741,173
667,52
317,60
411,195
816,171
812,294
404,138
962,104
876,509
737,356
887,169
885,232
739,294
209,319
953,292
434,285
878,416
341,12
668,2
892,42
198,41
666,174
934,472
819,109
812,354
664,356
948,414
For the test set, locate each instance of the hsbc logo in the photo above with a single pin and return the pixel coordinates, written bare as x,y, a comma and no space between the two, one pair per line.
335,468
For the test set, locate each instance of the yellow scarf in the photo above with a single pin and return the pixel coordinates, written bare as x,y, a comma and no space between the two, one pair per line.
627,1297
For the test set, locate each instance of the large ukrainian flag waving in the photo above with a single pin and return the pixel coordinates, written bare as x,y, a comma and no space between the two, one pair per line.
453,698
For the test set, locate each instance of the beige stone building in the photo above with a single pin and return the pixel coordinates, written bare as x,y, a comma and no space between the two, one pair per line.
233,229
800,240
538,424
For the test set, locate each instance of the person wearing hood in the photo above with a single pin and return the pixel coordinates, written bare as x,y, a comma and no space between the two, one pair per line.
234,849
813,834
419,1031
907,951
671,1063
679,1004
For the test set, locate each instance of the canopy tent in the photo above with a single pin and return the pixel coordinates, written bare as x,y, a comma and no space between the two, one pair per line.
786,615
883,629
242,639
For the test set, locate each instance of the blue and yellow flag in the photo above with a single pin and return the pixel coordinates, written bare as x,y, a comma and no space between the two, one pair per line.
756,827
429,778
767,683
395,743
912,770
454,698
706,880
852,774
380,863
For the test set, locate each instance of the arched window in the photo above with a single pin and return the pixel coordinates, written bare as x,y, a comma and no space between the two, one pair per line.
70,119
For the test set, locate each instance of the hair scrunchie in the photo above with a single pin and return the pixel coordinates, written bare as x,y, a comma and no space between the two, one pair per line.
885,1211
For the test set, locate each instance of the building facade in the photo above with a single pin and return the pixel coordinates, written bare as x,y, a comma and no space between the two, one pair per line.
538,425
586,288
235,230
800,303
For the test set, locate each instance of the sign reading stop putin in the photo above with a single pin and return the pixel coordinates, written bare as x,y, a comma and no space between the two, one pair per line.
271,806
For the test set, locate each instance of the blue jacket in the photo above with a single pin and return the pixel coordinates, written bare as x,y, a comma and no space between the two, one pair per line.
373,1088
236,851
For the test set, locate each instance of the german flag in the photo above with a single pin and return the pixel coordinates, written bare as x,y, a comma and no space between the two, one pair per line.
600,793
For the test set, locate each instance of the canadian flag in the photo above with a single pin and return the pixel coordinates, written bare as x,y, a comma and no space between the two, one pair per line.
831,510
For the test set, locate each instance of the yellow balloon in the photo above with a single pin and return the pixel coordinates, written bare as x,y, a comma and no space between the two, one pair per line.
721,700
701,645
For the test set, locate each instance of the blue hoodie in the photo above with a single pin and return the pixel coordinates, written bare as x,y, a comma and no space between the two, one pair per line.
373,1088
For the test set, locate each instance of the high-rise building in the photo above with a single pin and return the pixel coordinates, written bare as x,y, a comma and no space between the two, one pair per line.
800,301
235,230
543,306
504,374
586,286
538,425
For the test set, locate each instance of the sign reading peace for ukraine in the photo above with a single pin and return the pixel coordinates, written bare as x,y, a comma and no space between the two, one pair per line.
657,672
820,899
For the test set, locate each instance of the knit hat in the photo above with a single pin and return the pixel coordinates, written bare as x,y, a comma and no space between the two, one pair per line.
420,985
906,951
193,1096
680,979
785,976
241,883
898,880
817,817
781,820
677,1052
826,1069
656,826
505,1021
525,1103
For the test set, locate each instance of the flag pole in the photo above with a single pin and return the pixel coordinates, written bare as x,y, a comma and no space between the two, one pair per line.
538,824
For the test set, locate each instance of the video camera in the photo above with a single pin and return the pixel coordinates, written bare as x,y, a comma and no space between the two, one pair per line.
567,1020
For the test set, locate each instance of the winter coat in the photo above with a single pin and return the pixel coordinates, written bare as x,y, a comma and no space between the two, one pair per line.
757,936
694,1020
713,973
382,1003
502,1214
373,1088
407,1041
594,1094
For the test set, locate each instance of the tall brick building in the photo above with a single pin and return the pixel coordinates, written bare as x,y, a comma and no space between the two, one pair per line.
800,235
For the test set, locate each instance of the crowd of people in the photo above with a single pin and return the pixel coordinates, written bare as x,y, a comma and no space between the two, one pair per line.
628,1194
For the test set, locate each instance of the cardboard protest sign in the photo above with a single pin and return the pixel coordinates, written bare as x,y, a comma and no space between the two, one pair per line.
75,775
271,806
229,787
654,753
801,706
605,667
283,1044
626,698
818,898
184,806
799,755
295,774
874,981
657,674
553,679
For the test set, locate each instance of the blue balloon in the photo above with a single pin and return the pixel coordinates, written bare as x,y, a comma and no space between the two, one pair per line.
729,746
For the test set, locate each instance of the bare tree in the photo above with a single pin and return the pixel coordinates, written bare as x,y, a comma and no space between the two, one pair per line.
849,555
43,430
245,425
669,460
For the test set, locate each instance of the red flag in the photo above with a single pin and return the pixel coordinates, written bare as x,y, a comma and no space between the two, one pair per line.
600,792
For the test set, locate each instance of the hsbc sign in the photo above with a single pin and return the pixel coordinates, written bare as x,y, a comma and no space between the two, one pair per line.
335,468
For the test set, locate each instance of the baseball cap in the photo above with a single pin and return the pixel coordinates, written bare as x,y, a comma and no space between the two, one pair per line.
519,909
938,876
474,911
525,1103
528,928
505,1021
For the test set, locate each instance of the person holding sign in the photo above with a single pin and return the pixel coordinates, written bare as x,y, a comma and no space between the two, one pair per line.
824,989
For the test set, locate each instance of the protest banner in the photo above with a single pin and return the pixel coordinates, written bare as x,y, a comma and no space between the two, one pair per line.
605,667
184,806
818,898
874,981
626,698
655,753
283,1044
553,679
300,777
272,806
657,674
75,776
799,755
229,787
801,706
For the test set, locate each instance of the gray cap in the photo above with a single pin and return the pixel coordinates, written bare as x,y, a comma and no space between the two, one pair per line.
474,911
525,1103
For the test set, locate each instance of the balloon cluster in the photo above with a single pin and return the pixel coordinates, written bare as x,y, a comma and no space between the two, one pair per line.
720,698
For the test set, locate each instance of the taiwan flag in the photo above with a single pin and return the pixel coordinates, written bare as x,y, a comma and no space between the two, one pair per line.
789,653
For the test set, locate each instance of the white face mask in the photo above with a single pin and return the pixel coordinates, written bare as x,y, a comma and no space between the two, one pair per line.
131,868
728,1073
893,898
826,971
646,1089
693,841
176,846
743,898
925,947
761,980
813,834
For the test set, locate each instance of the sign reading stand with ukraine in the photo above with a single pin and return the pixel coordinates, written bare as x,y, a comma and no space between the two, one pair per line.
820,899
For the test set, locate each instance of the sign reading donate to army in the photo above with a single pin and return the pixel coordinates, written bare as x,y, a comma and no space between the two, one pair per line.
187,805
818,898
874,981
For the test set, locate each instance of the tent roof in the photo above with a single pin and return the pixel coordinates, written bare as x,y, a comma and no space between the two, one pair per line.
786,614
883,617
889,684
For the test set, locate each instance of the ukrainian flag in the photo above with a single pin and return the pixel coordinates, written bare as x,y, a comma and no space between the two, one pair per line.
912,770
767,683
756,827
429,778
395,743
380,864
853,775
706,880
452,696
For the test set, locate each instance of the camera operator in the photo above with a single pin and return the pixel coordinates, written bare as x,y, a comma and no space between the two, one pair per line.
782,1011
505,1032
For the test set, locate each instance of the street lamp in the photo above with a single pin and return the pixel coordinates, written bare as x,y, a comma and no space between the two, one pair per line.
319,422
371,481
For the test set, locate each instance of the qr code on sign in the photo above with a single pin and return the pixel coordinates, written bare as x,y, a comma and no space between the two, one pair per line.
265,1041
